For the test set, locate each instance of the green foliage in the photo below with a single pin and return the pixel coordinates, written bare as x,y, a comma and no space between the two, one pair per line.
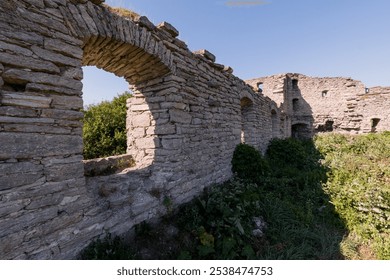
248,163
292,153
104,131
324,201
359,188
108,248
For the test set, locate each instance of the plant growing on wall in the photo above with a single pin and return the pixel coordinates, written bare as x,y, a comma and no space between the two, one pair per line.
104,131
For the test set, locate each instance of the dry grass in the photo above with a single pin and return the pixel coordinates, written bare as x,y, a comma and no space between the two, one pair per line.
123,12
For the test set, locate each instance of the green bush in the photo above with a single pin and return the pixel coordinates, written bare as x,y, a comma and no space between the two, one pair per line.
293,153
108,248
104,131
248,163
358,184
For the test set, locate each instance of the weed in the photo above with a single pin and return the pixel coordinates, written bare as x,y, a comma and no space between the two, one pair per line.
327,199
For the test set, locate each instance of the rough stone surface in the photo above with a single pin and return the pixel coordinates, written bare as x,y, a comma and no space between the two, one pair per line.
187,115
313,105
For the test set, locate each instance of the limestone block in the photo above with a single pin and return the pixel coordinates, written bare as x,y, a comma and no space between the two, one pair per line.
141,120
108,165
16,76
25,100
177,105
19,174
7,208
67,102
10,244
206,54
45,201
29,145
145,22
10,226
58,172
15,49
56,57
51,89
93,29
29,63
172,143
143,201
164,129
34,128
169,28
135,101
147,143
140,107
74,73
179,116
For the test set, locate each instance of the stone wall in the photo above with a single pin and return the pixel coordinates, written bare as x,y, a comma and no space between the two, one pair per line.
186,118
313,105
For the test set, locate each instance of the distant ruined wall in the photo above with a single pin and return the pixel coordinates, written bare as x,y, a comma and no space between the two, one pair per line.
313,105
187,116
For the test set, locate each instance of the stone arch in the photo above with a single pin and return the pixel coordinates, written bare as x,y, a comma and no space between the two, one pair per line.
133,52
120,46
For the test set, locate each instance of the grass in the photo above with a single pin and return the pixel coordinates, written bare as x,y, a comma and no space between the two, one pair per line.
328,199
123,12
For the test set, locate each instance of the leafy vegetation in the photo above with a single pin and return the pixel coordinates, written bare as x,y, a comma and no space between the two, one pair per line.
104,131
327,199
359,188
248,163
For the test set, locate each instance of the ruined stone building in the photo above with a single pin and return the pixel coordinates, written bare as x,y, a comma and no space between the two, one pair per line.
311,105
187,115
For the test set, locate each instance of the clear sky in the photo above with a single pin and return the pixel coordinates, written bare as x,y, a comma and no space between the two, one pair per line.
348,38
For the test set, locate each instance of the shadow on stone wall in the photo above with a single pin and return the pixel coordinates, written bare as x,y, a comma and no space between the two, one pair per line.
301,113
298,220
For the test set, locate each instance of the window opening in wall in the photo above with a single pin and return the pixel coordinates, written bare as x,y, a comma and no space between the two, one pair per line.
294,84
300,131
260,87
274,123
104,128
367,90
324,93
374,124
295,104
100,85
246,108
329,126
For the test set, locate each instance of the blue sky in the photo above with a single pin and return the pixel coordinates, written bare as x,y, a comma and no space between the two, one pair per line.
348,38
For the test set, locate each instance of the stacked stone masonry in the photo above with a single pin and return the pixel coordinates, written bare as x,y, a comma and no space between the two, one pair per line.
187,115
183,123
312,105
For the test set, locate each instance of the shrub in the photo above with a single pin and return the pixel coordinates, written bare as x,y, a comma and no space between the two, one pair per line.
108,248
104,131
293,153
359,189
248,163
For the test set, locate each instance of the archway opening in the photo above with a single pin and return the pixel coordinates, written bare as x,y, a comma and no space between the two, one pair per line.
246,119
100,85
274,124
104,125
139,71
374,124
300,131
295,104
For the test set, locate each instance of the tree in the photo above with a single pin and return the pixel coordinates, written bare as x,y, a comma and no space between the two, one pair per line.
104,131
